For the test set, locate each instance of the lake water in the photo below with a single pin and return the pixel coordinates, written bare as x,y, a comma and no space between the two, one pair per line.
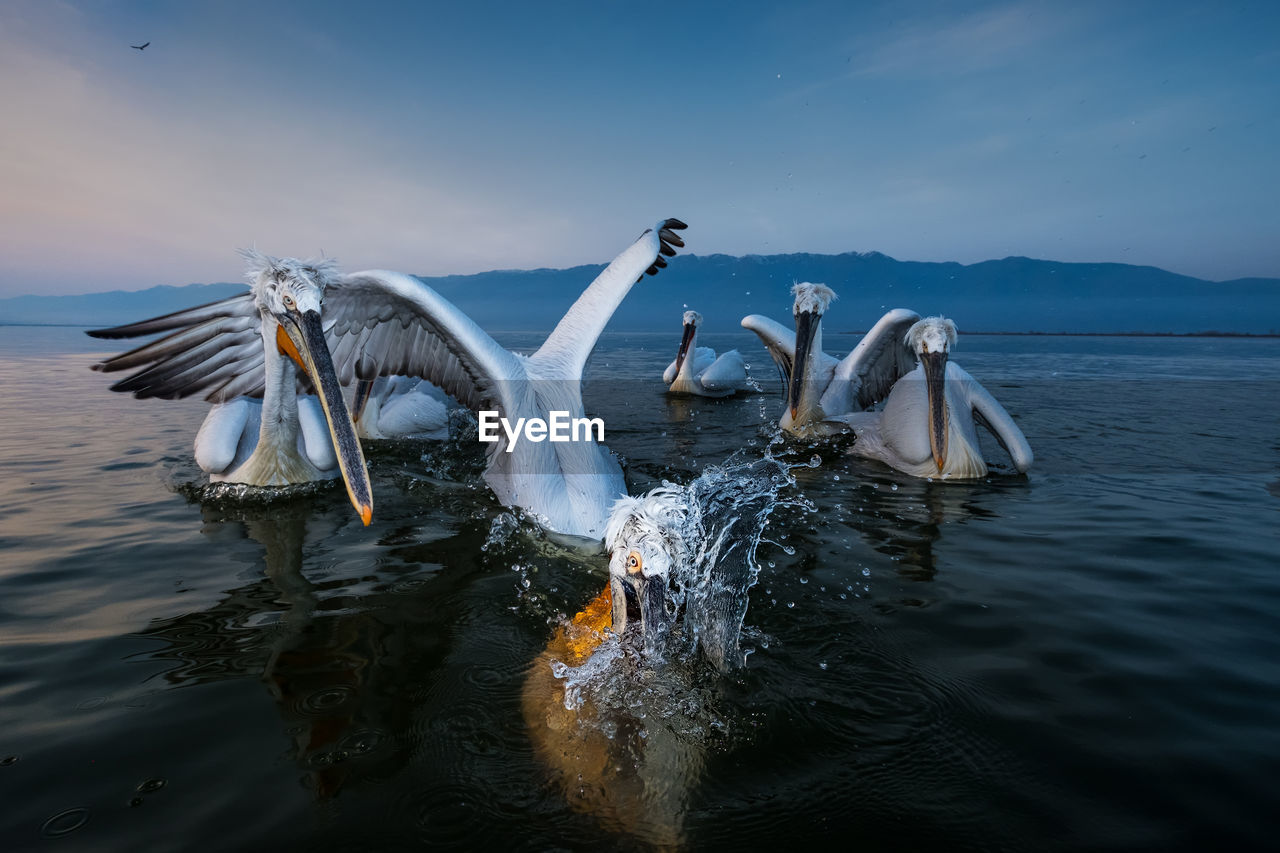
1084,658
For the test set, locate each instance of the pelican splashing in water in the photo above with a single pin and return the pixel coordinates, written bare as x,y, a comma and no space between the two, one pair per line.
621,702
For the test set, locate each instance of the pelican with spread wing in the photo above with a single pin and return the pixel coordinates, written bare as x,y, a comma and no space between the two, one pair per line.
927,425
359,326
820,389
698,371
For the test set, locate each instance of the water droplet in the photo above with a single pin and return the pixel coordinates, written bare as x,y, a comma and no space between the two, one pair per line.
7,760
791,604
894,487
150,786
65,822
866,573
815,460
822,664
835,476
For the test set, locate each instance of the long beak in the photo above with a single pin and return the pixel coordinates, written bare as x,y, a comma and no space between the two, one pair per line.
935,372
302,339
806,328
640,602
689,330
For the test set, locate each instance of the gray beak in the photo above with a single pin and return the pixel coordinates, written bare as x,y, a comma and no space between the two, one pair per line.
935,372
640,603
806,328
302,339
687,339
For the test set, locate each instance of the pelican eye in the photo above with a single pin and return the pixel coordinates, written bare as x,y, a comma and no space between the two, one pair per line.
634,563
288,301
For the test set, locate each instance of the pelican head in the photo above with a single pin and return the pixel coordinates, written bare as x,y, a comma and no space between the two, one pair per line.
931,339
691,321
290,294
646,540
811,303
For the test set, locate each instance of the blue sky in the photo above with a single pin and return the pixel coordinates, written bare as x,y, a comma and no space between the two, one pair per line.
439,138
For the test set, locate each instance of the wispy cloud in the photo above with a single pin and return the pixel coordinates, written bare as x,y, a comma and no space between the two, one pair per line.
974,41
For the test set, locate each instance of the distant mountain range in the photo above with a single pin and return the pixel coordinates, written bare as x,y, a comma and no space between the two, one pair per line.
1009,295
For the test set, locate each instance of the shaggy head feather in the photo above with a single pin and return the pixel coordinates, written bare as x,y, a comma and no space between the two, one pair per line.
302,281
811,298
938,333
654,526
692,318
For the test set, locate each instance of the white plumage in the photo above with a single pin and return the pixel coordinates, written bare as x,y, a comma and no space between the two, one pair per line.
268,343
821,389
927,427
381,323
696,370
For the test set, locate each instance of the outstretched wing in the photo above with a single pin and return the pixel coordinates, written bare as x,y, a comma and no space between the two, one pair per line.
383,323
377,323
213,349
777,339
564,354
880,359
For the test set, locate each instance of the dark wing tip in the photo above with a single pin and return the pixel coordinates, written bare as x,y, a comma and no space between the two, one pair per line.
667,237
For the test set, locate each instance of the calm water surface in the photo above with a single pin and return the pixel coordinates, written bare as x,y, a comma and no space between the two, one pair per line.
1085,658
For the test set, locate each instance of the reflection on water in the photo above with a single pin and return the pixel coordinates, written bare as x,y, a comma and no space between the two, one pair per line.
323,664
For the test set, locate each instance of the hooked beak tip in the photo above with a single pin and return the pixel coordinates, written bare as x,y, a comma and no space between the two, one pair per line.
366,514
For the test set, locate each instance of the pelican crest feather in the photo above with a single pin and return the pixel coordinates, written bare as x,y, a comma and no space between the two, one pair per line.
657,525
939,333
811,297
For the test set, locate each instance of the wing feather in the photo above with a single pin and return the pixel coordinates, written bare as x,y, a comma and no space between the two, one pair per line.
880,359
210,347
726,373
777,339
564,353
394,324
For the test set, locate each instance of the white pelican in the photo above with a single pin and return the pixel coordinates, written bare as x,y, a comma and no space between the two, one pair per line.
251,346
584,702
819,387
696,369
400,407
926,427
382,323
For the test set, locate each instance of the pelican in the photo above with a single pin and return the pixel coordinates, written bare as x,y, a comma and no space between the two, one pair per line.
630,769
819,387
926,427
382,323
252,345
696,369
400,407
